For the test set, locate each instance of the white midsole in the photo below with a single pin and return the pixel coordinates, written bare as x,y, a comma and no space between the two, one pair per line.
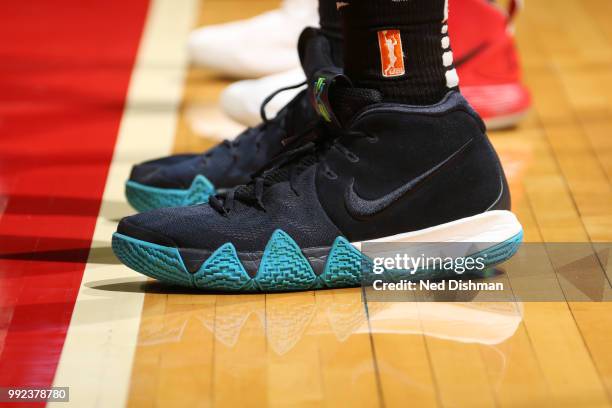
489,227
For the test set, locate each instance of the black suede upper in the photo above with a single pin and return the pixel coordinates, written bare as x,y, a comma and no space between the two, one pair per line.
386,146
412,141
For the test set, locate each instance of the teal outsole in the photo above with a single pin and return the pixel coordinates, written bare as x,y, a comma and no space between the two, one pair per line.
146,198
283,266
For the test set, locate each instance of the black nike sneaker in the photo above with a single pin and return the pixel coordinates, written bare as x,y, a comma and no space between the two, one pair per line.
188,179
396,173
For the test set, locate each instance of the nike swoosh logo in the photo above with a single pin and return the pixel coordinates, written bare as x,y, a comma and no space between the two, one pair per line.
468,56
359,207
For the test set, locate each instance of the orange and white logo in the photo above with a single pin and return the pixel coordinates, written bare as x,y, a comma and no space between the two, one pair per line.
391,53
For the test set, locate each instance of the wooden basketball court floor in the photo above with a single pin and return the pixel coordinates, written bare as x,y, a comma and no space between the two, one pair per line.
137,343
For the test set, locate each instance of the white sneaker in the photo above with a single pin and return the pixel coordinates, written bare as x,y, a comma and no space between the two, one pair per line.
242,100
259,46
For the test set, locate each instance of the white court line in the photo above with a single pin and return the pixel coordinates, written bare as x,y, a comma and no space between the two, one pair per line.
96,360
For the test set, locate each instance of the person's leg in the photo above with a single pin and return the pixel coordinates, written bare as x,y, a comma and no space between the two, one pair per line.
326,44
486,62
329,18
401,48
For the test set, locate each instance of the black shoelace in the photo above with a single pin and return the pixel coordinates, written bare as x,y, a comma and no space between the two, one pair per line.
284,120
264,104
286,168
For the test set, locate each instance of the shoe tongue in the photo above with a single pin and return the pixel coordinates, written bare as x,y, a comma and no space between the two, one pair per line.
315,51
332,94
336,100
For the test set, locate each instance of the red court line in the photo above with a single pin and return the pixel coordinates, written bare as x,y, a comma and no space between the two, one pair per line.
64,73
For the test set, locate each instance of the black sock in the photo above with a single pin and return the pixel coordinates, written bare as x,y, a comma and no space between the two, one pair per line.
331,27
376,35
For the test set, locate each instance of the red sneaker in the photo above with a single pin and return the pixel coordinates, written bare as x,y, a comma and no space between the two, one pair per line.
487,61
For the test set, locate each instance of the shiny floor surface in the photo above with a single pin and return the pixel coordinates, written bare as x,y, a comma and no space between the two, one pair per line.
73,316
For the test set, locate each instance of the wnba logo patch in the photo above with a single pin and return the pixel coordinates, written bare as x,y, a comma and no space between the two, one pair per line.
391,53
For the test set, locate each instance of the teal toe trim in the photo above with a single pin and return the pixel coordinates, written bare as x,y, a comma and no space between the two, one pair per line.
283,266
162,263
146,198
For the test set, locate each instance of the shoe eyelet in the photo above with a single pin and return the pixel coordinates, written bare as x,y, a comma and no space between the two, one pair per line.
330,174
372,139
352,157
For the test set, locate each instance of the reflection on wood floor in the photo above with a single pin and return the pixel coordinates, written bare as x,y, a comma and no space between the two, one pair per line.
327,338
